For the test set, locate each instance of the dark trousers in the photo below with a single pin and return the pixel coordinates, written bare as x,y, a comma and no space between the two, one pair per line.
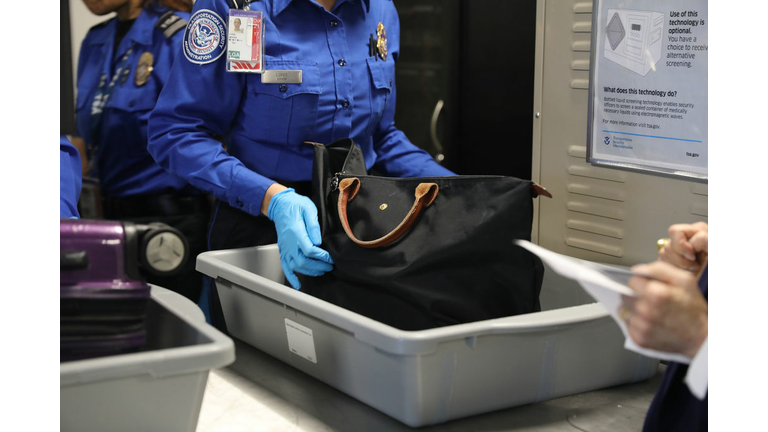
232,228
188,214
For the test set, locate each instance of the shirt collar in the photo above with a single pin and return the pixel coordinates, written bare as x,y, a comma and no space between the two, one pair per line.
280,5
141,30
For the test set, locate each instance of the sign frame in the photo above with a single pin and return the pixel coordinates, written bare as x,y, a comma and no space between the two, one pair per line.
639,164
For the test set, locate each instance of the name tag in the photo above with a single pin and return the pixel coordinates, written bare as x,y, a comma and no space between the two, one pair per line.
281,77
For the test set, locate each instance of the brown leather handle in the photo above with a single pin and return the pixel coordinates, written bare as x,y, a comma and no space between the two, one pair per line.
425,196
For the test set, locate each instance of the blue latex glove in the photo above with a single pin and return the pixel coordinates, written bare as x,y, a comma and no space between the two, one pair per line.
298,235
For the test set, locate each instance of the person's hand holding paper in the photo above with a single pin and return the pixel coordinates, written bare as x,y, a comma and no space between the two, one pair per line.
664,315
668,314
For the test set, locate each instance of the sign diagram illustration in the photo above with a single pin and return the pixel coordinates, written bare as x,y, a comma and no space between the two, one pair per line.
633,39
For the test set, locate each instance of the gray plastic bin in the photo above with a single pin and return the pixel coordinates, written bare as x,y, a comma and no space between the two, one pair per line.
428,376
157,389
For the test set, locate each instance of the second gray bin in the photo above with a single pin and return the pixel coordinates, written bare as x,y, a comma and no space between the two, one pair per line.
159,388
428,376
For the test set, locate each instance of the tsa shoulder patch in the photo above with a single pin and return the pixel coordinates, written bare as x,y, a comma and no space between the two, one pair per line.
205,37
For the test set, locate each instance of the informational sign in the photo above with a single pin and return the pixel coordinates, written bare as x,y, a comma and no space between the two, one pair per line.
648,86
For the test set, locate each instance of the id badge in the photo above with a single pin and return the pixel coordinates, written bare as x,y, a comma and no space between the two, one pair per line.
245,48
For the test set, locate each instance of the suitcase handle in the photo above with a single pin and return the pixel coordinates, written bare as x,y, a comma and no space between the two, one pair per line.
74,260
348,189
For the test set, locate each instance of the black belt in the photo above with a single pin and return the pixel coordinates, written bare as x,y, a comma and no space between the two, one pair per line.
138,206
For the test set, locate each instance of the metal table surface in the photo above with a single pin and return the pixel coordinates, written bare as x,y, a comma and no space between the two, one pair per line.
261,393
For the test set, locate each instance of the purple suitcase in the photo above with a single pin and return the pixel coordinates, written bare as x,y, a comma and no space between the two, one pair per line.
104,297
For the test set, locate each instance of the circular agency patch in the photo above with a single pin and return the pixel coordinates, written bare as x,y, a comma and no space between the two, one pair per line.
204,38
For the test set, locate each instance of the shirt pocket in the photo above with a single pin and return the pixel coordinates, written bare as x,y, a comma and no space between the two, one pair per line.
382,79
284,114
134,101
124,122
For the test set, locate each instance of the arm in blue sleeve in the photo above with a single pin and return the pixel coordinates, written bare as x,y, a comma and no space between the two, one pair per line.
70,179
396,155
198,103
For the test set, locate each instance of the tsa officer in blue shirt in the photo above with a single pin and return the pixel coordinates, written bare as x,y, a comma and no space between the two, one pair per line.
346,51
124,64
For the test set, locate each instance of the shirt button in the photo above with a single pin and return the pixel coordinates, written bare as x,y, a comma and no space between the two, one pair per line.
345,103
342,62
283,88
131,103
239,203
334,23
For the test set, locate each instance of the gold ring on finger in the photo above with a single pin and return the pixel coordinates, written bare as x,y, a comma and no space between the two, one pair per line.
624,313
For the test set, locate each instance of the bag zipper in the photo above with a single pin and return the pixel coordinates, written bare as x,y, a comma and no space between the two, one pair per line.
335,181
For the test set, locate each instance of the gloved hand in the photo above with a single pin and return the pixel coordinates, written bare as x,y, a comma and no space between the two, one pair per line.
298,235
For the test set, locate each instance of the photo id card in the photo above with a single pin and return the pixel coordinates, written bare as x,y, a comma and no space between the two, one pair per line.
245,37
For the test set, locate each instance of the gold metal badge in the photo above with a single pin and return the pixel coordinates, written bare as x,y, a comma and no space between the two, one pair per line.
144,68
381,41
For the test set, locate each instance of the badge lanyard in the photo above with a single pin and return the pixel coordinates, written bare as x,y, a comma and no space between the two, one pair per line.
100,100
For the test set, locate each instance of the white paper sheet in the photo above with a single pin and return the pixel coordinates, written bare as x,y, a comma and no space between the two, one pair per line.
606,284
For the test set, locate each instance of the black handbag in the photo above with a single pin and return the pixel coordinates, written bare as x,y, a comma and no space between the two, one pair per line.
419,253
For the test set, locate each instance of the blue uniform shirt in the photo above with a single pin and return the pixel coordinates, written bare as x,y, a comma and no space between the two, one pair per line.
123,164
70,179
344,93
